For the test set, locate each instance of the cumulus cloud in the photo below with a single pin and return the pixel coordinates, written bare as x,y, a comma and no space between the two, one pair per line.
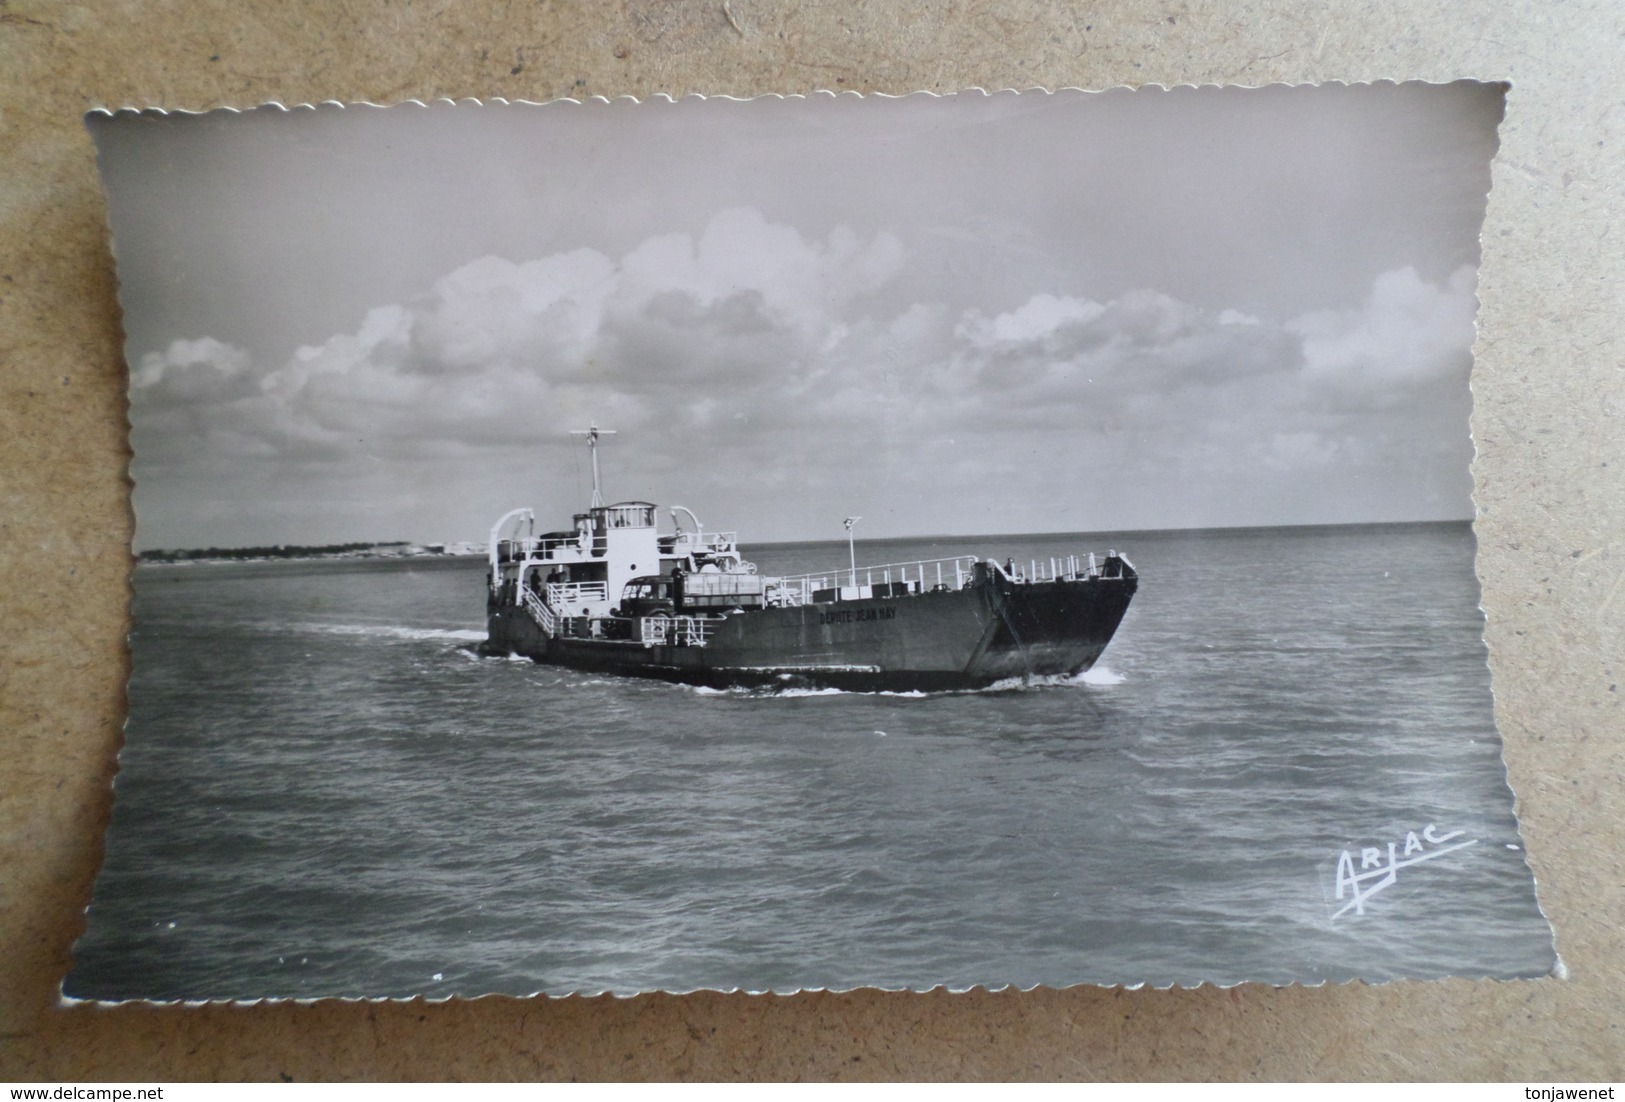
1053,358
1040,318
190,371
1409,334
750,358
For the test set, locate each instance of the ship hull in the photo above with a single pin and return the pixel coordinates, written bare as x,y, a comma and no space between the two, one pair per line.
953,639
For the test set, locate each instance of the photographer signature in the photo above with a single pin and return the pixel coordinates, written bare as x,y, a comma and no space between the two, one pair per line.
1375,873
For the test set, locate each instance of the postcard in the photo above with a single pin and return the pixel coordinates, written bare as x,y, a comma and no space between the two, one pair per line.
806,543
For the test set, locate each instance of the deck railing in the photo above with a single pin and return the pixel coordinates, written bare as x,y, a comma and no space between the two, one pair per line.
950,571
560,594
676,631
514,550
543,615
1053,569
547,548
688,543
919,576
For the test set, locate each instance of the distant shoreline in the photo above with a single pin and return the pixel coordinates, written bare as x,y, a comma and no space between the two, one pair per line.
391,550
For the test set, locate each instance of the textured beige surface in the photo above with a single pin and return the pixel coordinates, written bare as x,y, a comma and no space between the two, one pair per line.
1550,484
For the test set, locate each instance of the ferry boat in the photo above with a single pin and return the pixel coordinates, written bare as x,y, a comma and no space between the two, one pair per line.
612,593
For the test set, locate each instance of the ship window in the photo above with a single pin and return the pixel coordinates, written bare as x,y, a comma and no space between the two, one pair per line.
636,514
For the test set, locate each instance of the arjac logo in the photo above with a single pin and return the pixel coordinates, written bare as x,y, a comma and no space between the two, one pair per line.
1378,870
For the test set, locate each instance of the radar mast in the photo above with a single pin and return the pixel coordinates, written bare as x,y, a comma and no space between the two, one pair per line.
592,433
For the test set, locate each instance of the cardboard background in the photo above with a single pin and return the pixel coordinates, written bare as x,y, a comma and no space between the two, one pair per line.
1550,485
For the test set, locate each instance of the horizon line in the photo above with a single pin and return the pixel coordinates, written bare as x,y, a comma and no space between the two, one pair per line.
883,539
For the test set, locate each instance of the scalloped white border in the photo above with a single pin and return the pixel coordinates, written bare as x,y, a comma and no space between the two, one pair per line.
817,93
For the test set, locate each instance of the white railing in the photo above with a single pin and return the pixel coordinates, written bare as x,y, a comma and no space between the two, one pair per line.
922,576
560,594
543,615
1053,569
549,548
538,549
689,543
919,576
677,631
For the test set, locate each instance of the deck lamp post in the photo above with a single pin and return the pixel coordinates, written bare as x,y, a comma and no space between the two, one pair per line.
851,548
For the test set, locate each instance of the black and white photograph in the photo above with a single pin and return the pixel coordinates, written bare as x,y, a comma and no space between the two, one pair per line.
805,543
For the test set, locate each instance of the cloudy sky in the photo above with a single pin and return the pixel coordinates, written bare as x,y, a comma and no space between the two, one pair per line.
973,314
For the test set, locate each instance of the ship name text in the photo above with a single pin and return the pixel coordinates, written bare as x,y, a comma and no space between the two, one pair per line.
856,615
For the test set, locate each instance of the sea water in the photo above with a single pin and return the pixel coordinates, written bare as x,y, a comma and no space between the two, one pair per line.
325,790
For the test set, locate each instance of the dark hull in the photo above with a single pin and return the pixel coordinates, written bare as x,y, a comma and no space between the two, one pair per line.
966,638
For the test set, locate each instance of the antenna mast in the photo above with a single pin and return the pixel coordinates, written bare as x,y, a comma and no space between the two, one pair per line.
592,433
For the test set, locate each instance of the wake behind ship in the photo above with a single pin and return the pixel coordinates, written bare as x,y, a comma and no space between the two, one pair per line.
613,594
